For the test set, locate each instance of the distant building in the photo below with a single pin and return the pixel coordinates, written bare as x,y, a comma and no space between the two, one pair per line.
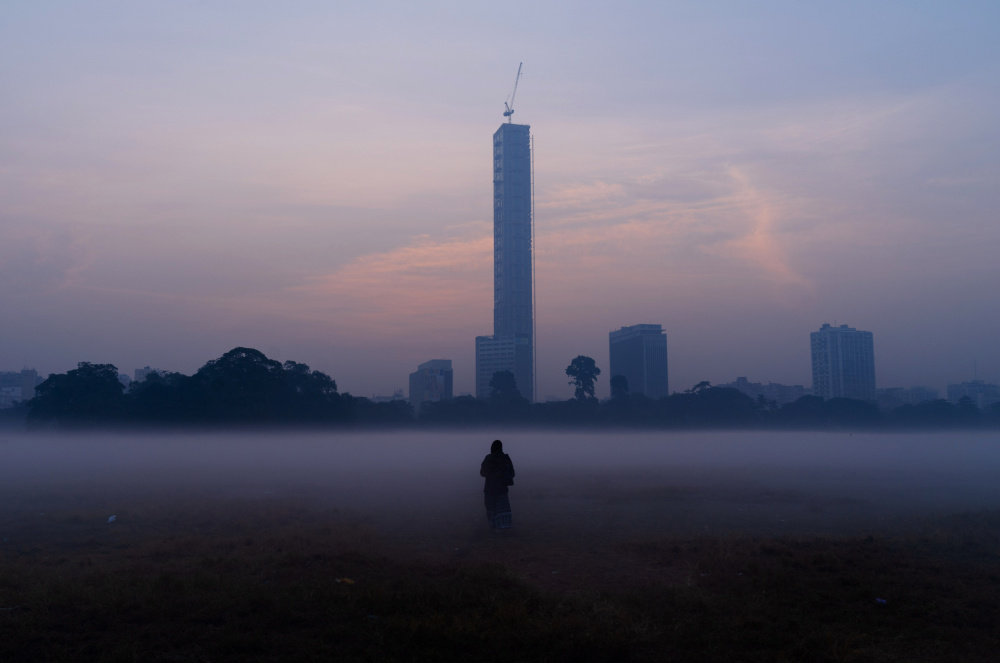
512,346
431,382
396,396
9,397
893,397
125,380
983,394
639,353
495,353
142,373
17,386
772,391
29,380
843,363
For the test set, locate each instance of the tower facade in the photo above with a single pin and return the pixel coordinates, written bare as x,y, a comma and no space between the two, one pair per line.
432,381
843,363
639,353
512,346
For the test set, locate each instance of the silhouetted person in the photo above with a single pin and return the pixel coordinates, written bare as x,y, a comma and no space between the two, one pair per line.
498,470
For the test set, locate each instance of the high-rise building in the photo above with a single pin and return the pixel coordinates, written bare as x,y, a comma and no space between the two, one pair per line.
639,353
843,363
512,346
500,352
432,381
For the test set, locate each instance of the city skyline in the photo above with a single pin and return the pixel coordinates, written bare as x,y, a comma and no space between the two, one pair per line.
178,181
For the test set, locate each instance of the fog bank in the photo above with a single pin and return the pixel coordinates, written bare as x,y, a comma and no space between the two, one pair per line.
625,483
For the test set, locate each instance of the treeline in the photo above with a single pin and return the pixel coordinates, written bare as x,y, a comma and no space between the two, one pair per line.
705,406
241,387
245,388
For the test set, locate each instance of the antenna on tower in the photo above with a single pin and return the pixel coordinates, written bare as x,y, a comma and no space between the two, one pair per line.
510,106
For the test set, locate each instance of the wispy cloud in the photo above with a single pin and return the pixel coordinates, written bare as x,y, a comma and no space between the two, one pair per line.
760,244
35,259
426,286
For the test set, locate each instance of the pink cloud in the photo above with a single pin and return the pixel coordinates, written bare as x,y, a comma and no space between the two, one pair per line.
426,286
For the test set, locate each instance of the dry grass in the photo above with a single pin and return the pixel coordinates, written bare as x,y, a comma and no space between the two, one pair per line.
258,580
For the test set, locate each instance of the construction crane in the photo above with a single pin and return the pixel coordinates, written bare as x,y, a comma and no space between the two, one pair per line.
510,107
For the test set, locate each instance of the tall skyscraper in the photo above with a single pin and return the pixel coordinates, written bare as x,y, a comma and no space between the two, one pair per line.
512,345
639,353
843,363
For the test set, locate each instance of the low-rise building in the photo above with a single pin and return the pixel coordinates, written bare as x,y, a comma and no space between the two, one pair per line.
396,396
982,394
17,386
141,373
893,397
772,391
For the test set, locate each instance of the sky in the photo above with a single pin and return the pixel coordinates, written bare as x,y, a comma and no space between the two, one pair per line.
314,180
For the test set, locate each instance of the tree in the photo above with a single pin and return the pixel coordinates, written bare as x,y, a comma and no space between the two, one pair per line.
503,389
506,402
584,372
311,396
89,394
164,398
242,385
619,386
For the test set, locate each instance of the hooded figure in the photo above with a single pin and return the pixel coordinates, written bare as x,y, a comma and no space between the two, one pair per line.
498,470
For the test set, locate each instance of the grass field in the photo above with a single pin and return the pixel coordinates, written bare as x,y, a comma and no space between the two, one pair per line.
266,581
598,567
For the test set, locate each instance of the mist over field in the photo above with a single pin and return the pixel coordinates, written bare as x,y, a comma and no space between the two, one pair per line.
715,546
426,485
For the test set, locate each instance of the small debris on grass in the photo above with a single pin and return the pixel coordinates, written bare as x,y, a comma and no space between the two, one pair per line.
346,581
112,519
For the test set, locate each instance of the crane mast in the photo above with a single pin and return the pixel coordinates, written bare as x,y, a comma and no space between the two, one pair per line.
510,106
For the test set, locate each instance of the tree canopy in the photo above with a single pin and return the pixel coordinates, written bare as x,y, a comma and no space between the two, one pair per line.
241,387
584,371
244,387
89,394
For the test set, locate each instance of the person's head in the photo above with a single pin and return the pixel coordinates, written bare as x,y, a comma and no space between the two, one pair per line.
497,447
